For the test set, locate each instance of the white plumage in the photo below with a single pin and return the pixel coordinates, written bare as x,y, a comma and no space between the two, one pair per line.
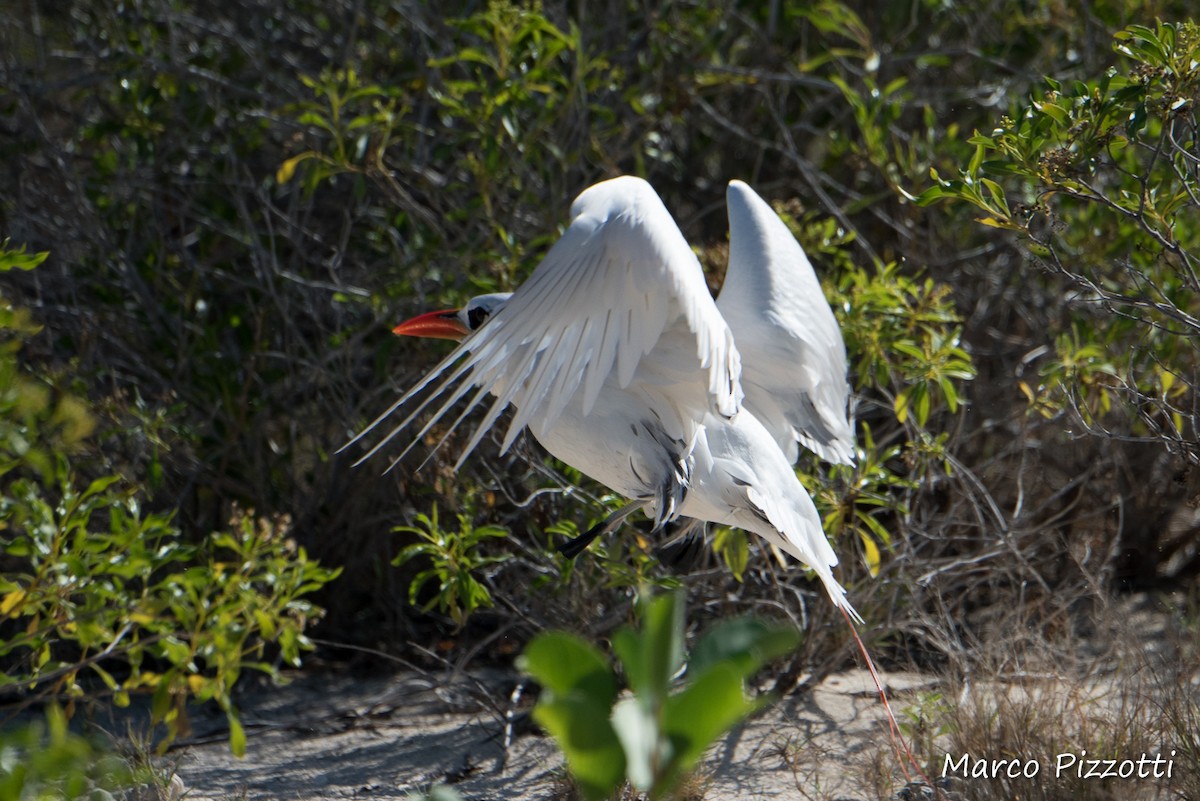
794,373
616,358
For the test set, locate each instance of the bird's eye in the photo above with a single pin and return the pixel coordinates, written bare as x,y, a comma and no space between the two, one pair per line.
476,317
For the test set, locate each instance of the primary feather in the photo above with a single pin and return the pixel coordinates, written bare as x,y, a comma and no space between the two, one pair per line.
796,382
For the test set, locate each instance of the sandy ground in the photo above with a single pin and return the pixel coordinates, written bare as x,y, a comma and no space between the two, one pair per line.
332,736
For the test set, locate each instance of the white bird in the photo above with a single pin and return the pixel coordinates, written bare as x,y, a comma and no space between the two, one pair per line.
616,358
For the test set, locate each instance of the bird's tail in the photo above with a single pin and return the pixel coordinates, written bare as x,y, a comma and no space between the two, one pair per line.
799,533
795,527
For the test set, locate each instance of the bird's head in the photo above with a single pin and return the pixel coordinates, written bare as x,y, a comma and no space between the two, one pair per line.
454,324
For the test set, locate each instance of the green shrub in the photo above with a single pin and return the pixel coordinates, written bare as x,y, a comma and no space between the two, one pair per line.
99,598
452,559
1097,177
654,737
45,760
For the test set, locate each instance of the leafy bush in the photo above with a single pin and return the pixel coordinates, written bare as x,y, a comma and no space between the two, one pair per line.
453,558
98,598
656,736
1114,154
46,760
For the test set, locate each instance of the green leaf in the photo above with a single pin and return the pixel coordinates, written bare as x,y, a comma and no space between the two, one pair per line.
160,701
934,194
1052,110
997,194
578,691
872,522
909,349
100,485
654,655
563,663
949,391
921,393
288,168
582,730
977,159
994,222
745,643
237,734
870,551
694,718
17,258
900,405
732,545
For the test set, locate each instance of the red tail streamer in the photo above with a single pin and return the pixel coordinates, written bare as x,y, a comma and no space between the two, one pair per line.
903,752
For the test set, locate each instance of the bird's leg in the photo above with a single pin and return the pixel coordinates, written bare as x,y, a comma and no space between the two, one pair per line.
573,547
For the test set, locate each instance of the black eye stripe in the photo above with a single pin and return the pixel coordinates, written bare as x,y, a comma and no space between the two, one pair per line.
476,317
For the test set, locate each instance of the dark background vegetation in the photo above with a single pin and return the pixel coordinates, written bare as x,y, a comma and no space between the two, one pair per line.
241,198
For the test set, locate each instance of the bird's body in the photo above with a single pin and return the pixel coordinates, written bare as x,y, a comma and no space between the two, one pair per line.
727,471
743,480
624,446
618,361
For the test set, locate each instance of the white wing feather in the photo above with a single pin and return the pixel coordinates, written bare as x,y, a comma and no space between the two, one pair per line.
794,374
621,274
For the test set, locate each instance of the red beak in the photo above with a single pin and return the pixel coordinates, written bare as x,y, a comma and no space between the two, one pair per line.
436,325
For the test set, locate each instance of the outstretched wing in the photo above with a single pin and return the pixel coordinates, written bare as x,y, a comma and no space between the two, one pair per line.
620,276
794,360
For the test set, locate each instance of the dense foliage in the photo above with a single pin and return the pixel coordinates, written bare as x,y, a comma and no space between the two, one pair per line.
240,198
101,599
